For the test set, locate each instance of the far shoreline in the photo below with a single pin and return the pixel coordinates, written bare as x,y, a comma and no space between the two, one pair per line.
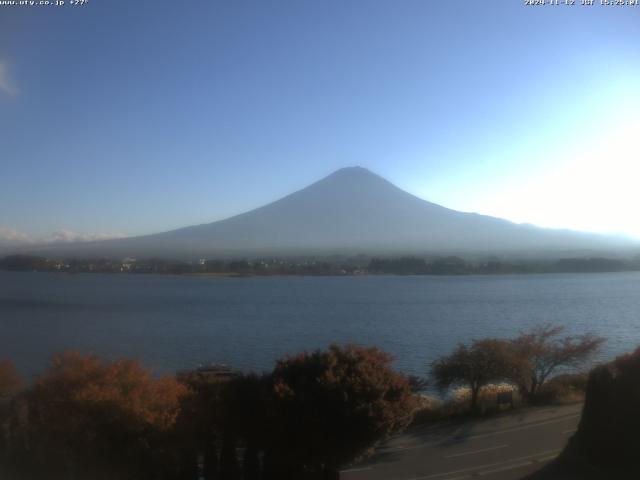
222,275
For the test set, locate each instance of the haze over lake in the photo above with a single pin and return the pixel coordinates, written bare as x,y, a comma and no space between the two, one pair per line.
176,322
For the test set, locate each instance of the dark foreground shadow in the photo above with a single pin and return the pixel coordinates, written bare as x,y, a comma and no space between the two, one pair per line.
563,469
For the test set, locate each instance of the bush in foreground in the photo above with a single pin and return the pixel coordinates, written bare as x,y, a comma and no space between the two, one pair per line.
607,443
332,406
608,432
86,418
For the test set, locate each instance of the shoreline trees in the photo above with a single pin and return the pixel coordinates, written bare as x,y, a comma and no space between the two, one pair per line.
526,361
475,366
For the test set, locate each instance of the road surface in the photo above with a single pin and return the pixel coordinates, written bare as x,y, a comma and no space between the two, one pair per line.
504,447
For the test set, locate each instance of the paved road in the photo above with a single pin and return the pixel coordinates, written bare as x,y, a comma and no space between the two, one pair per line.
504,447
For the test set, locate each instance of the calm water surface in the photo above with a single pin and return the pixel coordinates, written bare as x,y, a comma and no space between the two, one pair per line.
175,322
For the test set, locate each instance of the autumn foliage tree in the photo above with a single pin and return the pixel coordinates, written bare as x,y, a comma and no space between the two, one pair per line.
93,419
10,386
542,351
10,380
475,366
331,406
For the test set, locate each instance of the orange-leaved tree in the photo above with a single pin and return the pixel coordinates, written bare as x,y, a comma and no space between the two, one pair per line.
98,419
10,381
10,386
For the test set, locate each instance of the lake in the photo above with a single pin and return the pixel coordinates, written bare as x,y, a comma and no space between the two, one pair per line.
176,322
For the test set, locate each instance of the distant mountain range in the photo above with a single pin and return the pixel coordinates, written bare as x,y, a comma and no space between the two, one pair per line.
351,211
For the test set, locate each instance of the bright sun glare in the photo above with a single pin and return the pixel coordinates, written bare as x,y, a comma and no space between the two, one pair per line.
591,187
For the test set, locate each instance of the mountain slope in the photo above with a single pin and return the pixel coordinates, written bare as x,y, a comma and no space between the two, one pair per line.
350,211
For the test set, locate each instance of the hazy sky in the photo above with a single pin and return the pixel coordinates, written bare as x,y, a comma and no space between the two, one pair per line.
133,117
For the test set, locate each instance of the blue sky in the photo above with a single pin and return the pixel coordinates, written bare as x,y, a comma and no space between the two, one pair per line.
136,117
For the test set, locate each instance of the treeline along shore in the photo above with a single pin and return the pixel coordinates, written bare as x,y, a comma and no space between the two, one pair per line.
313,414
333,265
